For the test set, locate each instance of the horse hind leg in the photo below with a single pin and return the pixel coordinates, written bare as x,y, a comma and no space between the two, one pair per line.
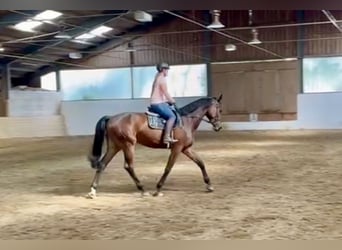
100,167
129,167
94,161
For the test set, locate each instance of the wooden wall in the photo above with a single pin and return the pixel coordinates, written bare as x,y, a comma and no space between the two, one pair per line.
182,42
268,88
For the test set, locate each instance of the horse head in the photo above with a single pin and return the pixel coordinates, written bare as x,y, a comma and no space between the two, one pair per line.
214,113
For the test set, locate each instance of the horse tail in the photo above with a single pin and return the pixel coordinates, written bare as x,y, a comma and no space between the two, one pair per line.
100,130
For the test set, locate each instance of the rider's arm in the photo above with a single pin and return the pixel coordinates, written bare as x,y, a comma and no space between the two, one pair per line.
166,93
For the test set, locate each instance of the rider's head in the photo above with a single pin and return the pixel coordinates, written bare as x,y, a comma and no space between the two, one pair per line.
163,67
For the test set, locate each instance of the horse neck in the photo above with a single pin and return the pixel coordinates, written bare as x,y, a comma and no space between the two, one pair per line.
194,118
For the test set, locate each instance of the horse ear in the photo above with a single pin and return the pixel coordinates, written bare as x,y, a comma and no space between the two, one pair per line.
219,99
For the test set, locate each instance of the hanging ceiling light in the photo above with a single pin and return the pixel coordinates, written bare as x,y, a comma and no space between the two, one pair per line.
75,55
142,16
254,31
250,17
230,47
216,24
255,39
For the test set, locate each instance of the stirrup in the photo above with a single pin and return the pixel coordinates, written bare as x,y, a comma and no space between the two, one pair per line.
169,140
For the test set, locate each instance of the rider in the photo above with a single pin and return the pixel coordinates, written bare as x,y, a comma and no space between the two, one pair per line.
161,101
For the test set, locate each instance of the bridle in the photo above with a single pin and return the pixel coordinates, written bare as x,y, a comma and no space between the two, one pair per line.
211,121
215,121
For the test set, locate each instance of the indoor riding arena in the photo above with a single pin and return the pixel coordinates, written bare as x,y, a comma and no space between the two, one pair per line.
275,166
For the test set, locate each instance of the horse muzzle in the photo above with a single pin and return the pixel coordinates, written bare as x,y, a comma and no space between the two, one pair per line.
217,126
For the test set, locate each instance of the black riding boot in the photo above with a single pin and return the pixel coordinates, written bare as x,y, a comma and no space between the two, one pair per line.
167,132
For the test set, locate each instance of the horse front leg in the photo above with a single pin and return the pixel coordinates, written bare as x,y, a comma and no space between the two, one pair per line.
195,158
175,151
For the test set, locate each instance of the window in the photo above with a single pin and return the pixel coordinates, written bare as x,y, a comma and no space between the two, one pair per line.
96,84
48,81
322,74
183,80
142,81
136,82
188,80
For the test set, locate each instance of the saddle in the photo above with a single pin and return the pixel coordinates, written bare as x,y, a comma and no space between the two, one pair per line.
155,121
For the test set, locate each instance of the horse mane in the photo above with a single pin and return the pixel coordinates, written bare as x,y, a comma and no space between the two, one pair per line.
192,106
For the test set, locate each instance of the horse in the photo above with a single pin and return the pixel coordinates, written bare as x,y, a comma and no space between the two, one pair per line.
124,130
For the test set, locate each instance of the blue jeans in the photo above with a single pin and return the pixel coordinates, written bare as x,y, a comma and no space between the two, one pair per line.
164,110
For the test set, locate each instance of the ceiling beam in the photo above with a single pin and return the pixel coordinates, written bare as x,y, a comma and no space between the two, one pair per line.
120,39
22,69
15,17
105,46
332,19
87,25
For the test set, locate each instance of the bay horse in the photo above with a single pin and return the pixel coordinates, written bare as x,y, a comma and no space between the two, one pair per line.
123,131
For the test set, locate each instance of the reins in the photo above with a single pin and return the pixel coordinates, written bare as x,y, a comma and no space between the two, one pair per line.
192,116
203,119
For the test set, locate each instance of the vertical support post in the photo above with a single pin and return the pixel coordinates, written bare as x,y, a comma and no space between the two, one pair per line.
5,82
5,86
58,79
206,52
131,62
300,15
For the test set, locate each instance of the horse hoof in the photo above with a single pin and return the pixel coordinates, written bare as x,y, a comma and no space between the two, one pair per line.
210,188
144,194
91,196
158,194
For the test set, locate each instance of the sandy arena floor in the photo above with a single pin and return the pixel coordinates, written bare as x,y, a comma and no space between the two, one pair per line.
268,185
